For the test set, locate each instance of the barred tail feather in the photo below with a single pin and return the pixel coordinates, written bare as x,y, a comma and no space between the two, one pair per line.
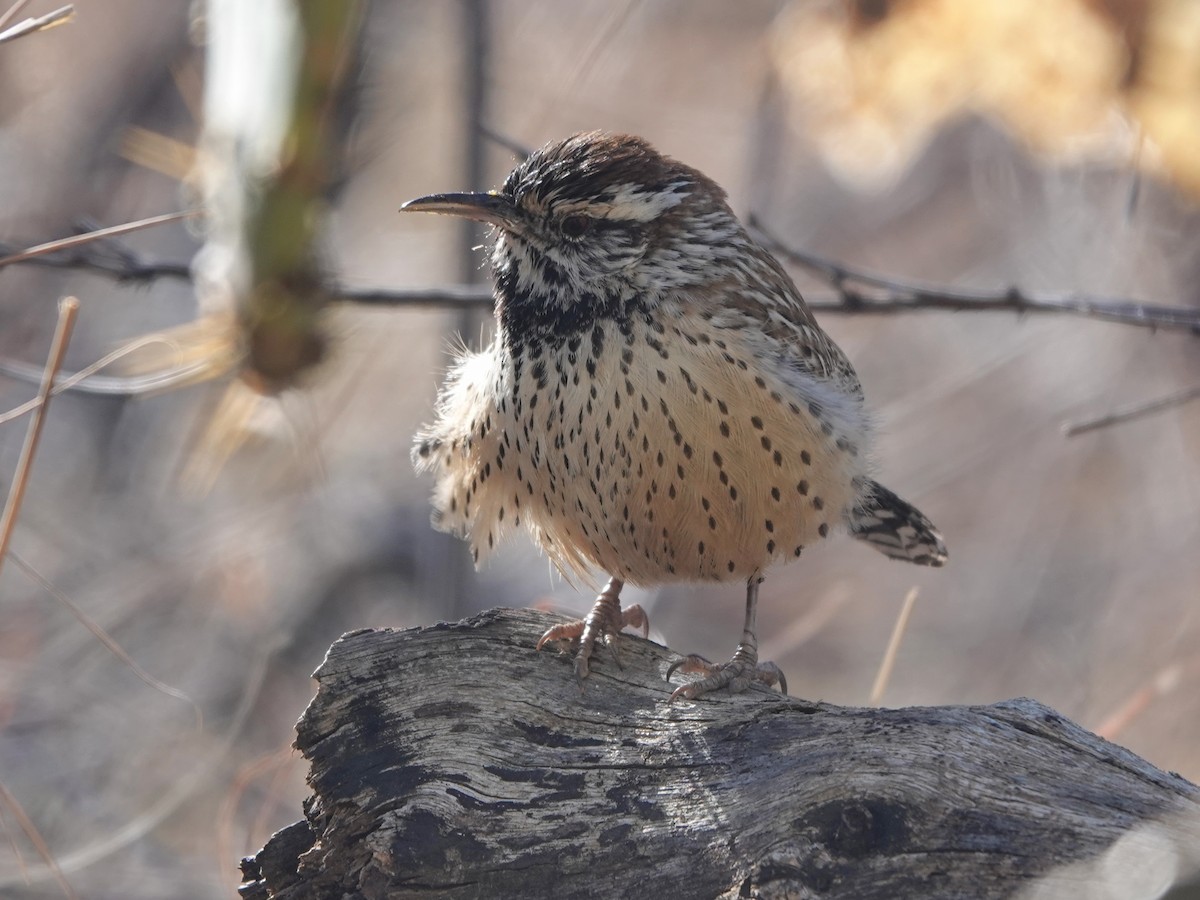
896,528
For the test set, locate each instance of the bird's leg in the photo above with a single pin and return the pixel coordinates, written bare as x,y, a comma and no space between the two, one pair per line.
605,622
739,672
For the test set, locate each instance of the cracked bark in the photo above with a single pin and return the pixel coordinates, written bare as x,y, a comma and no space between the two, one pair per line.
455,761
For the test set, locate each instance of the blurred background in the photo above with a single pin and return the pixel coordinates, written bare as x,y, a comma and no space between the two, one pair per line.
1046,144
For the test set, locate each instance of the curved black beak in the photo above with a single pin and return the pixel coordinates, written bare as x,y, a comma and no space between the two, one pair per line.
495,209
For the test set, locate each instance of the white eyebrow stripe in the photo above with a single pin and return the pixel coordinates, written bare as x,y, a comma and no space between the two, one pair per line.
631,202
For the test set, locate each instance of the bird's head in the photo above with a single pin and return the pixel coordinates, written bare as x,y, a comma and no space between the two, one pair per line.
585,225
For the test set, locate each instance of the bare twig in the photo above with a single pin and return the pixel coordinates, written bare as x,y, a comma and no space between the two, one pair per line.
847,302
888,297
519,150
269,763
67,310
1136,411
106,639
893,647
13,845
125,267
453,296
885,296
87,381
41,23
39,842
98,234
899,295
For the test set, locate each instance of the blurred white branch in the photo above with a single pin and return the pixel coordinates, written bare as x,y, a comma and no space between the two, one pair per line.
30,26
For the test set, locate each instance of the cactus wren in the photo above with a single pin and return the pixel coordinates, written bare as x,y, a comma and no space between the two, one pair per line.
658,401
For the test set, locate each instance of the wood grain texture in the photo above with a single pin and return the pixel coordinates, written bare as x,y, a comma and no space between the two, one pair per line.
456,761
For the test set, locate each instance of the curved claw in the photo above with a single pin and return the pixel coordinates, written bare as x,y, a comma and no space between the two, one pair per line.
684,692
603,623
635,617
691,663
770,675
736,675
568,631
581,670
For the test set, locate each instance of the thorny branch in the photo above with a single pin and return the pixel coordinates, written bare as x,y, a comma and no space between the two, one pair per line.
857,291
892,295
123,266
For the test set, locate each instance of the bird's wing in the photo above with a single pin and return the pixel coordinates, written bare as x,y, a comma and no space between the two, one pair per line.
762,300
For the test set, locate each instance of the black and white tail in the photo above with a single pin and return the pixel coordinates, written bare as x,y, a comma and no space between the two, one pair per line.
896,528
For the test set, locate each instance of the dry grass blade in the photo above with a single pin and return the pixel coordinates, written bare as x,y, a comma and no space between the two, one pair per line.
1165,681
158,152
803,628
188,373
173,797
39,843
893,647
274,763
220,438
189,82
1129,413
98,234
275,791
68,308
29,26
104,638
13,846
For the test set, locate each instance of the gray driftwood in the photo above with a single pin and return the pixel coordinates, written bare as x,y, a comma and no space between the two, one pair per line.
456,761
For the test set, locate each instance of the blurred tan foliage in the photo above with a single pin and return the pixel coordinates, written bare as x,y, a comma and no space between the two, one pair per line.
873,80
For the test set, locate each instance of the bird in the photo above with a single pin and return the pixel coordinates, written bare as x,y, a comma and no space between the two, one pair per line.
658,402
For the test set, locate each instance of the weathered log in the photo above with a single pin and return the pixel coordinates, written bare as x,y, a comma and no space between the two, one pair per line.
456,761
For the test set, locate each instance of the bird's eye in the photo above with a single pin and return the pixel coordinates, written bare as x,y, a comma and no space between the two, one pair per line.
576,226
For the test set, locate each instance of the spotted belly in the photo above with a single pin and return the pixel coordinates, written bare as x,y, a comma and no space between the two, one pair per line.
664,453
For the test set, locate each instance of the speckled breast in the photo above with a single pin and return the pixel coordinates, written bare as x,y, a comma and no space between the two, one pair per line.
666,450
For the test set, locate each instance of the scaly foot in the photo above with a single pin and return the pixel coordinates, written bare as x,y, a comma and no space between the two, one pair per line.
605,621
736,675
741,671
